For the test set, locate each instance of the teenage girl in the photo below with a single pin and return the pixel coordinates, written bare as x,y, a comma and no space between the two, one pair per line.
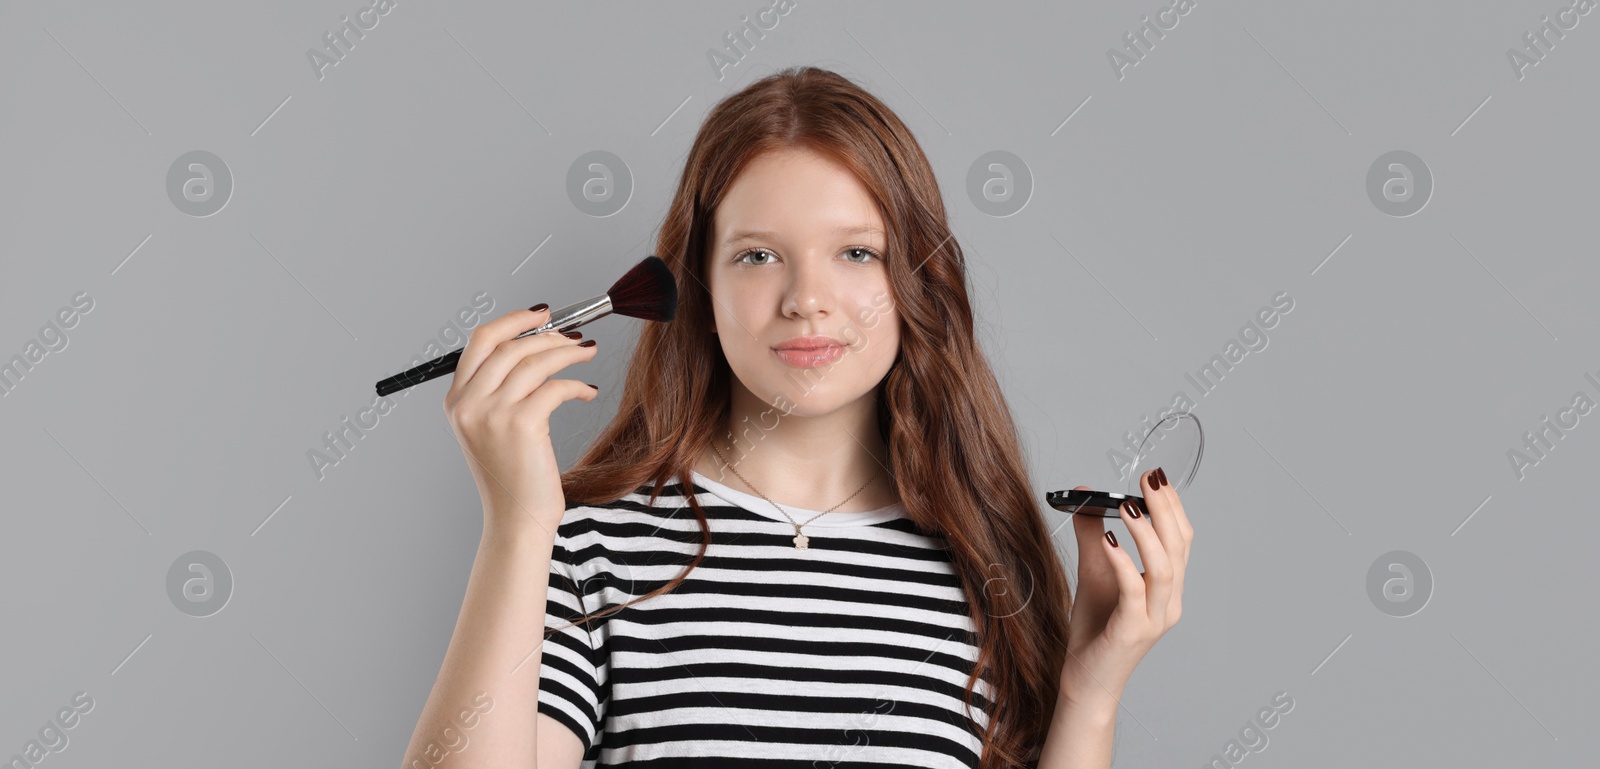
808,537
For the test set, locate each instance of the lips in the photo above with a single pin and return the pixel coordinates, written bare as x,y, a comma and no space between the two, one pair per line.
813,358
808,343
809,351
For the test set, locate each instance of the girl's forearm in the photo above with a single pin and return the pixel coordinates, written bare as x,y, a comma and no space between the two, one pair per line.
499,629
1080,736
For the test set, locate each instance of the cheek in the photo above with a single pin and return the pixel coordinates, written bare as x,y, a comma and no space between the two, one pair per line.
741,317
748,302
731,310
878,326
887,342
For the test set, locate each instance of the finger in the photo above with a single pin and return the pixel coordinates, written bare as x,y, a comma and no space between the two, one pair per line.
1171,495
1130,586
1174,506
505,356
1165,515
1094,573
1183,517
1157,564
1180,564
541,402
486,337
1158,503
534,369
1088,527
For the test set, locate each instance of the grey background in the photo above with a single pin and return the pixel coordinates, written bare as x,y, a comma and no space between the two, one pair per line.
430,166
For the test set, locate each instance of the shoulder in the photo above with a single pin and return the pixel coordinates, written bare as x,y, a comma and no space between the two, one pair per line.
637,500
607,536
643,511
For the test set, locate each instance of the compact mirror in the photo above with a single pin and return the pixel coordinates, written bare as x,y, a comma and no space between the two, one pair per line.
1174,444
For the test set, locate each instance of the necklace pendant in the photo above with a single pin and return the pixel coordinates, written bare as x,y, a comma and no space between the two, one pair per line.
801,542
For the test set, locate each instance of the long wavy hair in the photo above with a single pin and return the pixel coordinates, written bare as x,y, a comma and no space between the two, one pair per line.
954,456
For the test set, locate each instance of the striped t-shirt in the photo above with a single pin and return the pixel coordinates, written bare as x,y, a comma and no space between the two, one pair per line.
852,652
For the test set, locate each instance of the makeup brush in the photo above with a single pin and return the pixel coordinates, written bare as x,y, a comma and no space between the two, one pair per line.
647,292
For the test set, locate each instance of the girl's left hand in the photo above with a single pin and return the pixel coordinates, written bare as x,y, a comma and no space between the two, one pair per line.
1118,613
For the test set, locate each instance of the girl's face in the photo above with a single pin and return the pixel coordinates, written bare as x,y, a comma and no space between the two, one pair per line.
797,251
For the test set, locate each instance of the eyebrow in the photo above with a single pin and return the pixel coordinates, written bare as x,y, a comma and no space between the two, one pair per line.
742,235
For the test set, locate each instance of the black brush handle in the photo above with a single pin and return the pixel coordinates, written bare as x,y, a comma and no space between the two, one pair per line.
561,320
433,369
565,319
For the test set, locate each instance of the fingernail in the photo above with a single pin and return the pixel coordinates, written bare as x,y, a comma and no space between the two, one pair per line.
1112,538
572,334
1155,479
596,387
1133,508
587,343
1163,474
540,306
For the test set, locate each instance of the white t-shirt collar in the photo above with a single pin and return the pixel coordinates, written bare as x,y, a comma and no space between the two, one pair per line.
760,506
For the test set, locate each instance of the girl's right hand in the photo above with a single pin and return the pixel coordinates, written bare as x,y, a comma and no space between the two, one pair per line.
499,407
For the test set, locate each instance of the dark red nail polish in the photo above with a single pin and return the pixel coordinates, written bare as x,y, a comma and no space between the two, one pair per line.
1163,474
1133,509
596,387
540,306
572,334
587,343
1112,538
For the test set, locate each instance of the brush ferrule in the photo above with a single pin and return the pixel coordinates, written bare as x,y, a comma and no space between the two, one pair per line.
574,315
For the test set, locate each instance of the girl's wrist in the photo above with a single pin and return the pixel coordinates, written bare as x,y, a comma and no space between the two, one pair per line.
1087,708
509,535
1086,714
1092,693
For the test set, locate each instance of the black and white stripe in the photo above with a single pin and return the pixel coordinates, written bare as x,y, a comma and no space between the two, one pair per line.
854,652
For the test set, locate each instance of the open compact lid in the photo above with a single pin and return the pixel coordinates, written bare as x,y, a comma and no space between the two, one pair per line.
1175,444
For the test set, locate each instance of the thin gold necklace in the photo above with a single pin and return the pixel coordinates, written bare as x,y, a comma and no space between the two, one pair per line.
801,541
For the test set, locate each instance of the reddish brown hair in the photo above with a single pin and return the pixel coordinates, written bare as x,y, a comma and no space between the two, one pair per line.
953,451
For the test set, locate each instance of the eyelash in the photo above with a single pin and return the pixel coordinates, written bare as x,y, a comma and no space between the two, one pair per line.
749,251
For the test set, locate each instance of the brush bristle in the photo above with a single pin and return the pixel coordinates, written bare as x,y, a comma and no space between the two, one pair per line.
647,292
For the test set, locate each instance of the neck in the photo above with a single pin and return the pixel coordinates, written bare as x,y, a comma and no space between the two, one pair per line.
809,462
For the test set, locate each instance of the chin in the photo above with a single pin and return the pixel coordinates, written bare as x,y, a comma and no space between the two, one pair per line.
813,404
808,392
810,398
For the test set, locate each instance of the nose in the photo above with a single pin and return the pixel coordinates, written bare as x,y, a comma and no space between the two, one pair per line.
810,289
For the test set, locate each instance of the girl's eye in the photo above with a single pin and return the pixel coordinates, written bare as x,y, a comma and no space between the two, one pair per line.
869,253
752,252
